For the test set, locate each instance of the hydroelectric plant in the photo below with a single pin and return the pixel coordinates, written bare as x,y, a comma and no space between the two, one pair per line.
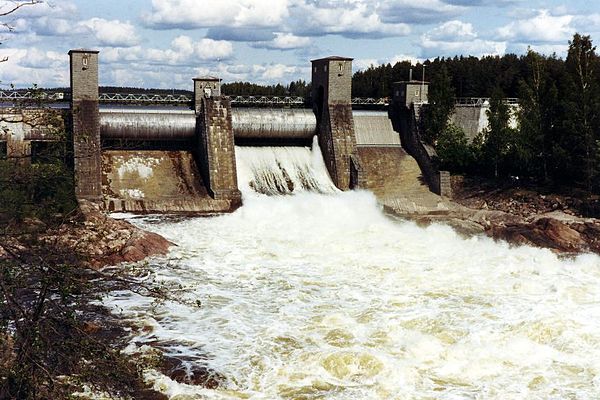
300,288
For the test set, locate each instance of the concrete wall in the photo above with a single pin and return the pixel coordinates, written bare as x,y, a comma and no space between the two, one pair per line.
155,181
474,119
406,122
20,127
374,128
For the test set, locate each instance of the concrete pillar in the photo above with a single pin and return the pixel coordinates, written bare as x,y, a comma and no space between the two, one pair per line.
216,148
332,104
205,87
86,124
445,184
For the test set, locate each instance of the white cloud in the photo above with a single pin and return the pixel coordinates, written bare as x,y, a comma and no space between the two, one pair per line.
358,19
456,30
403,57
295,17
284,41
210,13
112,33
422,11
289,41
183,52
456,37
105,32
544,27
26,67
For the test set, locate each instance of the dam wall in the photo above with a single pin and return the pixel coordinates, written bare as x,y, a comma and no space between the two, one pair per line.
23,129
473,119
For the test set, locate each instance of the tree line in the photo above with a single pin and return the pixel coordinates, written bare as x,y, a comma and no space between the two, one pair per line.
557,138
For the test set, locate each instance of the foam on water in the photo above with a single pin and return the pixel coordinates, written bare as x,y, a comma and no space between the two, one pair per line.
322,296
316,296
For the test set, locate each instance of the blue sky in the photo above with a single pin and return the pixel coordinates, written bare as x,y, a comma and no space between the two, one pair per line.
165,43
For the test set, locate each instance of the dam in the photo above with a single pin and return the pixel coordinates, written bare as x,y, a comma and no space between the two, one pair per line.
177,160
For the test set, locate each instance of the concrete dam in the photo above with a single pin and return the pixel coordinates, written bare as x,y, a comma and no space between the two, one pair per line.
186,160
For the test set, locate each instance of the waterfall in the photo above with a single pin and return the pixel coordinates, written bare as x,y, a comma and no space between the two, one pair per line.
282,170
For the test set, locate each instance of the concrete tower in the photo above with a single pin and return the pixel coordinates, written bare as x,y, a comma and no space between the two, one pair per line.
86,124
206,87
332,104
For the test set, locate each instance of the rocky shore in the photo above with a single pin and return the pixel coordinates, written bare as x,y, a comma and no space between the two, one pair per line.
518,215
97,238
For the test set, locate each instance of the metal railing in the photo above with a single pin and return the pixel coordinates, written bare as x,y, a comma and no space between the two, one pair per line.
267,100
152,98
364,101
482,101
32,95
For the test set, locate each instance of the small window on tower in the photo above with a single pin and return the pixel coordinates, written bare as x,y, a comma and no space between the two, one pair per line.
417,93
341,67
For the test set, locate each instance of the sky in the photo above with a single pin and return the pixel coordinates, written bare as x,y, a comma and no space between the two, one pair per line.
165,43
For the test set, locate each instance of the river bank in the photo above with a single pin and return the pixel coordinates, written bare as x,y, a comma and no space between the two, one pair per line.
519,215
59,338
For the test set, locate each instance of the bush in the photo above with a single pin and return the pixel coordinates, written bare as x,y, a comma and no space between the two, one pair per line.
39,190
453,150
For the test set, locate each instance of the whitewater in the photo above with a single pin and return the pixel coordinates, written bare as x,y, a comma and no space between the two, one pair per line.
318,294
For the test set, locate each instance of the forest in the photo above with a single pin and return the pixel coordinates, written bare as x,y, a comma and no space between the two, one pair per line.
557,139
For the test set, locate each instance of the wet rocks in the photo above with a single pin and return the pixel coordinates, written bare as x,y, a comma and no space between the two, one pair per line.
185,370
106,241
545,232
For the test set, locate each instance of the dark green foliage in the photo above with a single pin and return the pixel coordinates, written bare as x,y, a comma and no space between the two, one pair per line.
582,123
498,138
297,88
42,189
441,104
453,150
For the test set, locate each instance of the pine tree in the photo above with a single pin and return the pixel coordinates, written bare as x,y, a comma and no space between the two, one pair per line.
582,122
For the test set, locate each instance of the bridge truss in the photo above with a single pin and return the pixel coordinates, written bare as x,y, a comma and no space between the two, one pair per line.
482,101
182,99
173,99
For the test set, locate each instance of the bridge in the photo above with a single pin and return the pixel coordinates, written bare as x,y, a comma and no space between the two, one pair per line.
482,101
17,96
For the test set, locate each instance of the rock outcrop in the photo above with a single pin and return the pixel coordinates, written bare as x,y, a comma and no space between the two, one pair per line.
107,241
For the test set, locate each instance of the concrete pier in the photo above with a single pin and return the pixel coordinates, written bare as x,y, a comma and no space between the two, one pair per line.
332,102
86,124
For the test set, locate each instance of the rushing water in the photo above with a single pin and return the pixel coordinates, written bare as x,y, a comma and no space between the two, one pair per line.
321,296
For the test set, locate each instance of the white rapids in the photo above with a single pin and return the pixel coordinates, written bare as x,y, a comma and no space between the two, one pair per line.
321,296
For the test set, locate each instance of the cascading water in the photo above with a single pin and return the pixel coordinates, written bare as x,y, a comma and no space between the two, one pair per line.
282,170
316,296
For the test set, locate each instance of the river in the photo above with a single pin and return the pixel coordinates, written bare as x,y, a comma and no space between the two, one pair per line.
319,295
